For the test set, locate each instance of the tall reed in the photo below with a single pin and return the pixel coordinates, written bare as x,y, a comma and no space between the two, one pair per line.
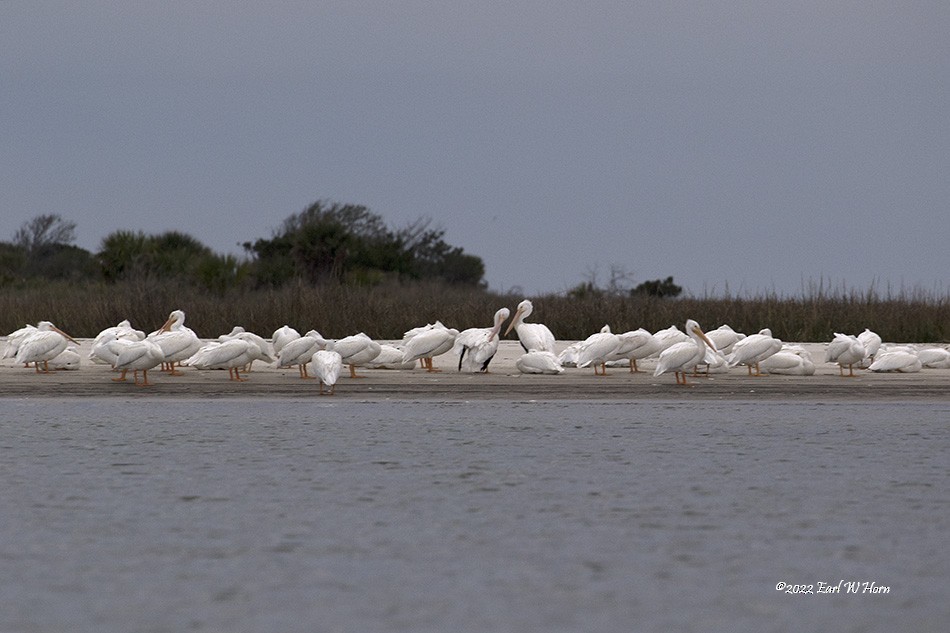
386,312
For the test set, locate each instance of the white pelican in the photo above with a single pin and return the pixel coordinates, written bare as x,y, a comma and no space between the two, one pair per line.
327,366
355,350
724,337
67,359
568,355
41,346
871,342
533,336
282,335
934,357
753,349
15,338
636,345
476,346
104,349
177,341
425,343
901,360
845,350
670,336
231,354
535,362
390,357
685,355
596,349
138,356
791,360
238,331
300,351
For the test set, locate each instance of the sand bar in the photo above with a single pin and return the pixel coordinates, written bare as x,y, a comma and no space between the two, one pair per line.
503,381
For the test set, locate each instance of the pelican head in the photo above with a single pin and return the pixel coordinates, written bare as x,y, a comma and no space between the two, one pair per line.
521,313
693,329
47,326
176,316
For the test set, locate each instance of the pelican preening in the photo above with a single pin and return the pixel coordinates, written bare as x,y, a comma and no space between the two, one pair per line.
300,351
533,336
426,342
327,366
845,350
477,346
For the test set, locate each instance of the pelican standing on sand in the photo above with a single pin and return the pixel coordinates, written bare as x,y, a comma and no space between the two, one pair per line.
477,346
845,350
635,345
753,349
426,342
355,350
43,345
177,341
300,351
232,354
138,356
327,366
533,336
596,349
682,357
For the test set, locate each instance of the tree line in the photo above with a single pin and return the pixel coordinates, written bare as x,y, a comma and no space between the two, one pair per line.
326,242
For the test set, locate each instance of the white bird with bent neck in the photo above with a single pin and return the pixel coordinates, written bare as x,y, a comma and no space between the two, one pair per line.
533,336
682,357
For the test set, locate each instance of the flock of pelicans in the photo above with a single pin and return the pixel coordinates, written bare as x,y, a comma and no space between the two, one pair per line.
675,351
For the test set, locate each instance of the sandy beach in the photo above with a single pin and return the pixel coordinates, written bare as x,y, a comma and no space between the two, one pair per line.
502,381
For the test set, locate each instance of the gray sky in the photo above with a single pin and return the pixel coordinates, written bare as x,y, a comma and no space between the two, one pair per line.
752,145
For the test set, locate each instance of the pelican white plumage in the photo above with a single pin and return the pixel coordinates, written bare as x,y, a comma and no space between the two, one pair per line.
266,355
538,362
791,360
477,346
683,356
533,336
596,349
67,359
282,335
845,349
390,357
427,342
15,338
355,350
669,337
231,354
568,355
300,351
138,356
104,349
899,360
753,349
724,338
872,343
178,342
636,345
327,365
934,357
42,345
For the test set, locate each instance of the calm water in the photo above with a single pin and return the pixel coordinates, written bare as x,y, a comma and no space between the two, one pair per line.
277,515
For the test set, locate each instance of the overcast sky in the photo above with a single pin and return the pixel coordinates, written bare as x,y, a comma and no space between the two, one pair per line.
752,145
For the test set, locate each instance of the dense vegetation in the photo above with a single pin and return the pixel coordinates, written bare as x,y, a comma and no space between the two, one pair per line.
340,270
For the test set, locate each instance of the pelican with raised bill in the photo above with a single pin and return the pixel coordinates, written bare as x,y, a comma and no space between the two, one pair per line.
683,357
533,336
43,345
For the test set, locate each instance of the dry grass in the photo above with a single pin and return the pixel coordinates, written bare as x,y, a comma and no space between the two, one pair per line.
386,312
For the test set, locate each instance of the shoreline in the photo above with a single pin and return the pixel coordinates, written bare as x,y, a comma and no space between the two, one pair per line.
503,382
